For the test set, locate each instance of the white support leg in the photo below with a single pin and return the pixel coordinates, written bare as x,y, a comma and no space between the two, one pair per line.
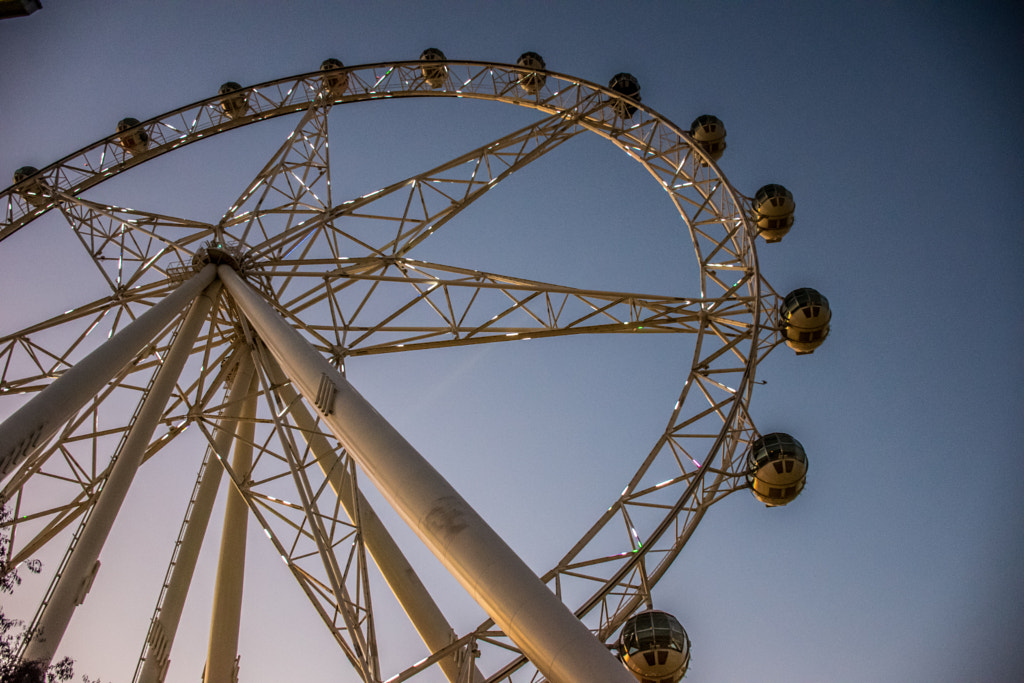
412,595
164,628
227,597
82,565
38,420
557,643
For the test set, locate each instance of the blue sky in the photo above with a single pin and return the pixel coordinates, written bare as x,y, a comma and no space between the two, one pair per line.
897,128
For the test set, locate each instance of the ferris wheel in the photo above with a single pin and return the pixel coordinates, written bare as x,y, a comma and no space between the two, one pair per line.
240,331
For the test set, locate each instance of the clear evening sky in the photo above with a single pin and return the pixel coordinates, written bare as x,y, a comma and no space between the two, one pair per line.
896,125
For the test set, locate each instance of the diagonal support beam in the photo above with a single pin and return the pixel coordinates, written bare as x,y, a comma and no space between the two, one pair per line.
410,592
76,577
557,643
38,420
226,618
165,621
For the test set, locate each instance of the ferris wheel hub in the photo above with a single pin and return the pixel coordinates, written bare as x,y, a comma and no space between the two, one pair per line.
220,254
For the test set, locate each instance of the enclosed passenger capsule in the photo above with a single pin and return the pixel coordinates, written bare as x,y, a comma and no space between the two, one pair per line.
531,82
805,317
776,469
232,102
629,88
654,647
335,81
32,190
131,138
434,74
773,212
709,132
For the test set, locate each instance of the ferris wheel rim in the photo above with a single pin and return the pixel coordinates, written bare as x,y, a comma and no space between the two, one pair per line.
9,223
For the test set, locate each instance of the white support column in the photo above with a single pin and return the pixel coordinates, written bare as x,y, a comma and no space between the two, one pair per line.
557,643
227,597
37,420
82,565
163,630
412,595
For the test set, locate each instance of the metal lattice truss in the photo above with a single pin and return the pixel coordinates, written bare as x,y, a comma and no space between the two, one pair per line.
342,274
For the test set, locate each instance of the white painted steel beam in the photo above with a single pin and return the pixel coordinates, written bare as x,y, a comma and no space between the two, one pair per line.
424,614
80,571
38,420
165,627
226,618
548,633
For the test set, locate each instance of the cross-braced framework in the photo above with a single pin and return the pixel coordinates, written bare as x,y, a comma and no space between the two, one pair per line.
340,273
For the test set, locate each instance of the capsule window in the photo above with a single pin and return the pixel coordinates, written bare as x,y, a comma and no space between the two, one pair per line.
678,637
789,466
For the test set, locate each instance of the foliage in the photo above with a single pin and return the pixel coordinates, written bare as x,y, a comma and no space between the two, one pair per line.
14,633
